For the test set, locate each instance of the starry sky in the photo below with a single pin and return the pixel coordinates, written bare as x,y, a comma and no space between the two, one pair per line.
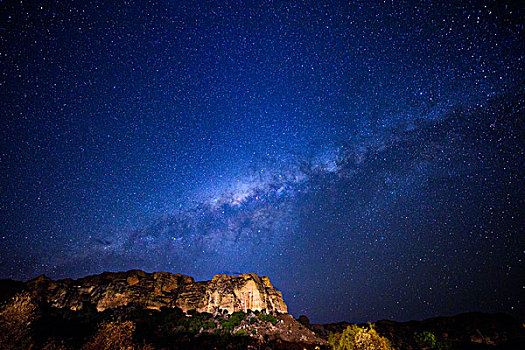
367,155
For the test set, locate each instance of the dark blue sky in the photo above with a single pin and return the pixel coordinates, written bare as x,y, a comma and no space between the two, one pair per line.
367,156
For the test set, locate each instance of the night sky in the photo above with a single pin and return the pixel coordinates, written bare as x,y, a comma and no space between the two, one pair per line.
367,156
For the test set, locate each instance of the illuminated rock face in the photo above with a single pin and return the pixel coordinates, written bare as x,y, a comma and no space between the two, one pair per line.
241,293
161,289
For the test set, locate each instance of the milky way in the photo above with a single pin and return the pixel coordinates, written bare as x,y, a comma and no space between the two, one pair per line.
367,156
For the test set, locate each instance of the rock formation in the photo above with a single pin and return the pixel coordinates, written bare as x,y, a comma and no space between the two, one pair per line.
161,289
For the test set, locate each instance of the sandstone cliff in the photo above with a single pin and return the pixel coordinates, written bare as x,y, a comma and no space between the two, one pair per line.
161,289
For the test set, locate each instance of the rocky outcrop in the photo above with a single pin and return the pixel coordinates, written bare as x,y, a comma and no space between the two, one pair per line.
161,289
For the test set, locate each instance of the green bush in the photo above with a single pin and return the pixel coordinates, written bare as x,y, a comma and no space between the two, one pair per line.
237,317
233,321
210,325
193,325
227,325
358,338
427,340
268,318
254,332
240,333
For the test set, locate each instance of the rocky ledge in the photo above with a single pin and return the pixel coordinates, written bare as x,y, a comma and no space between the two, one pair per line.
161,289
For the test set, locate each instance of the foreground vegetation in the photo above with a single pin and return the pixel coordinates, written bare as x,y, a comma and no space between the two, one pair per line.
25,324
355,337
358,338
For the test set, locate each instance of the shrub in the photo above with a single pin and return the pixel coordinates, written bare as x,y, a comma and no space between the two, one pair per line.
193,325
254,332
227,325
358,338
113,335
233,321
268,318
237,317
240,333
427,340
210,325
15,321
